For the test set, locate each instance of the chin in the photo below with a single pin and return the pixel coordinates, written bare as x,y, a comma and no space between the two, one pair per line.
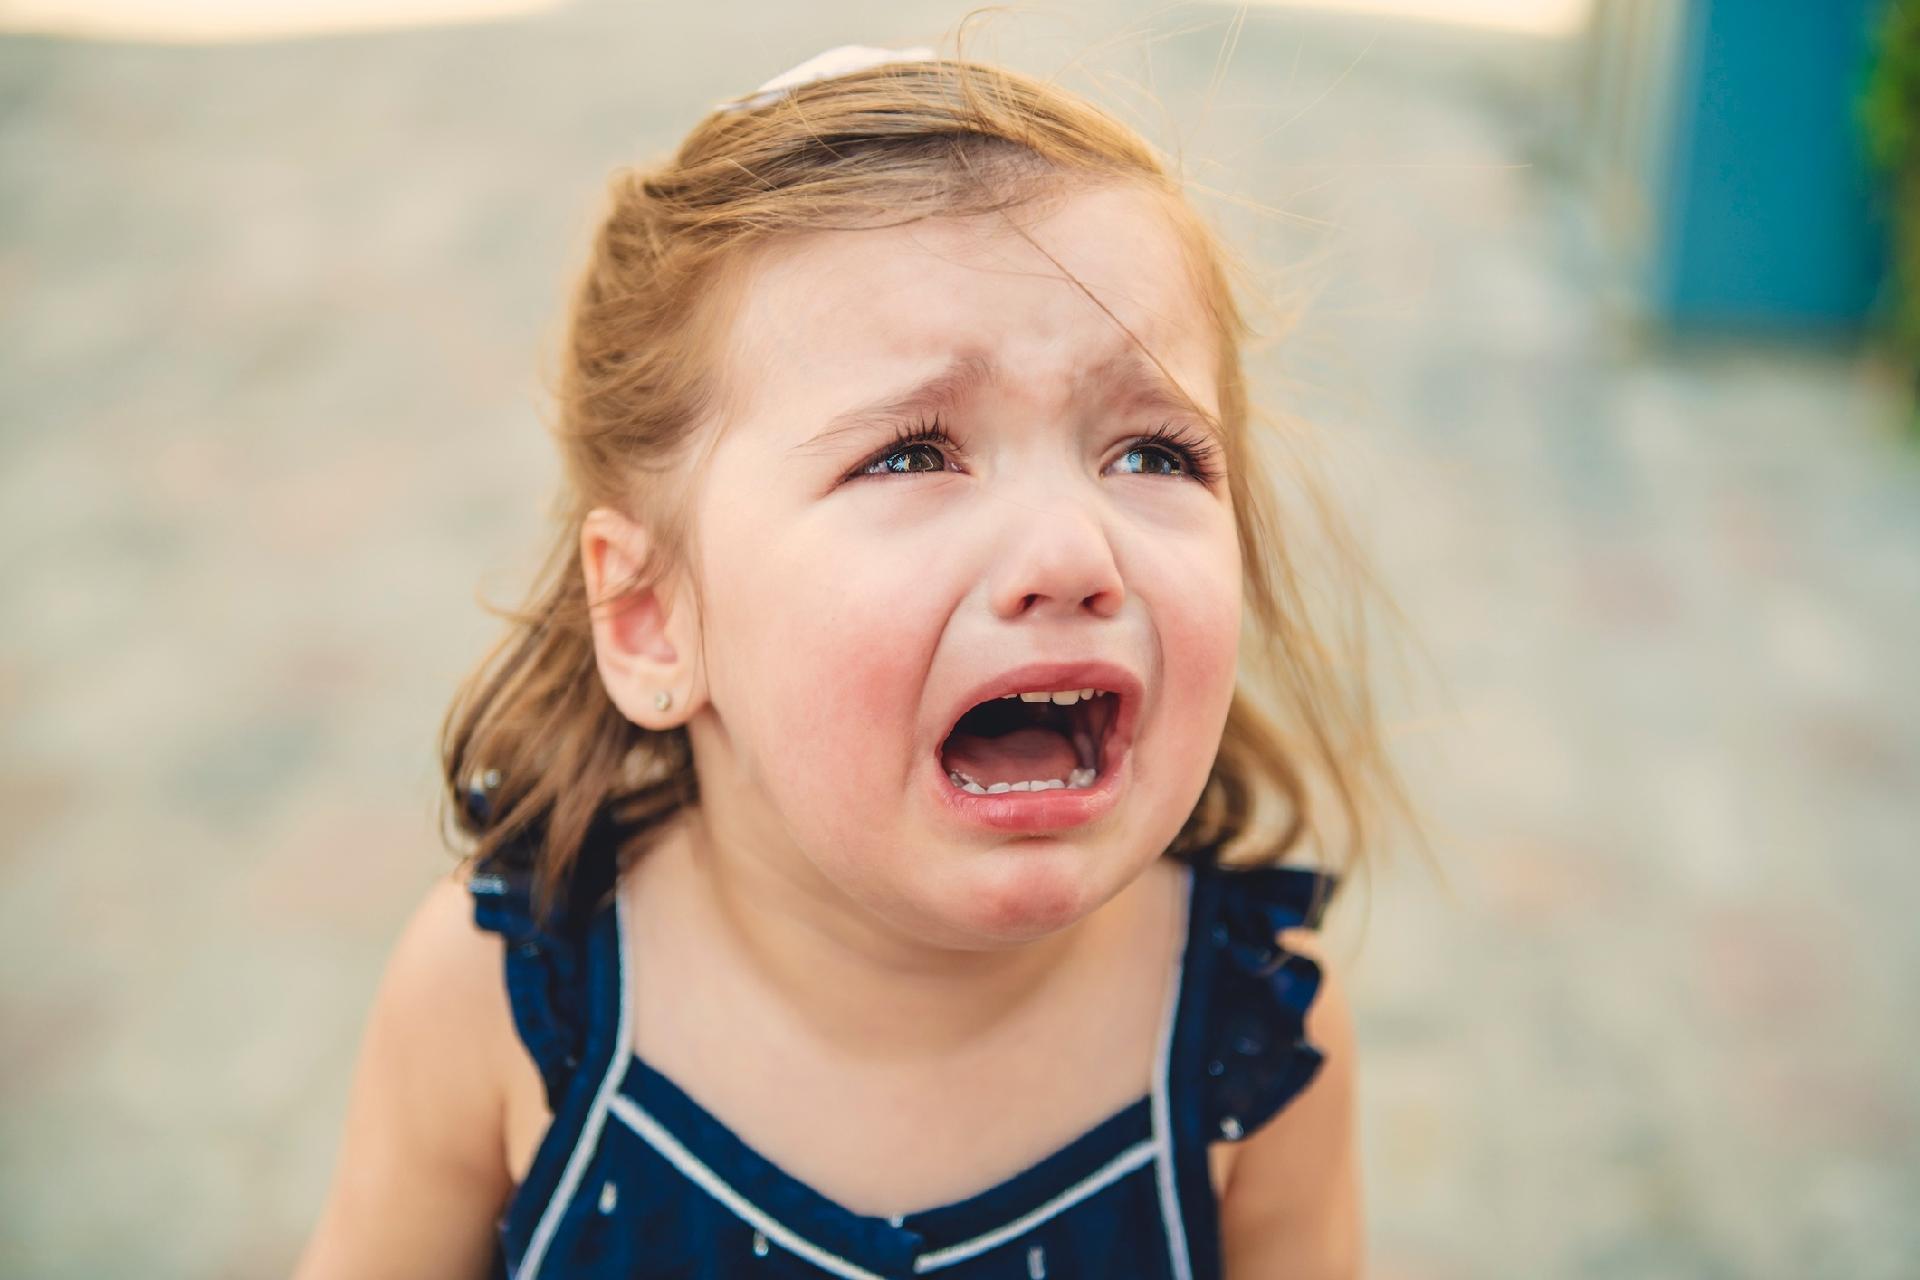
1026,890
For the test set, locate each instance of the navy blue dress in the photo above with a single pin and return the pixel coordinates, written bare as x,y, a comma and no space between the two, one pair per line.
635,1180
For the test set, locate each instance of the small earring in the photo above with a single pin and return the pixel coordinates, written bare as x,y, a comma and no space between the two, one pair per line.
663,700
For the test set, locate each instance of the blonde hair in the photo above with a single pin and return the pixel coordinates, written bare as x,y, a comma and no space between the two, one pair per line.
894,143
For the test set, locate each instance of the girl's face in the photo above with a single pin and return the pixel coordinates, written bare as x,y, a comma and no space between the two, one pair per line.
865,586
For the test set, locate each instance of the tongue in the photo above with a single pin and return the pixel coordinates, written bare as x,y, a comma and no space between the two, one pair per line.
1022,755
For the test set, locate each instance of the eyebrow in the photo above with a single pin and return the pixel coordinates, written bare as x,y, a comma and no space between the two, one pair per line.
962,377
1150,388
965,375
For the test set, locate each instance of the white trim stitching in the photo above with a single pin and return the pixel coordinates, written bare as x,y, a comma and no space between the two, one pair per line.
1158,1149
713,1184
589,1138
1112,1171
1162,1107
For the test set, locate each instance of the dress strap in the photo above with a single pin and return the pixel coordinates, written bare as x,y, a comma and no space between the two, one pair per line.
1258,1055
566,985
543,970
546,957
1239,1050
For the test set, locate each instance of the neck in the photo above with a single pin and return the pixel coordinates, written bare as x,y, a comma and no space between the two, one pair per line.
850,979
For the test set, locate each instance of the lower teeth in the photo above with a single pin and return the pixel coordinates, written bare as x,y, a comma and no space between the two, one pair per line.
1078,780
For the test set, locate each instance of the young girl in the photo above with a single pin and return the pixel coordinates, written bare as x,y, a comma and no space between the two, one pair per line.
864,811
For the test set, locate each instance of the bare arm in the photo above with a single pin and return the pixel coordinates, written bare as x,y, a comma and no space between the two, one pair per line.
1292,1202
422,1170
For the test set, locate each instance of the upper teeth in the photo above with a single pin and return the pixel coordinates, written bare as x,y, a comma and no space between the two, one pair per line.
1065,697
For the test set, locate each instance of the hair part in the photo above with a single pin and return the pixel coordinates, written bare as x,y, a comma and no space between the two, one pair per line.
535,753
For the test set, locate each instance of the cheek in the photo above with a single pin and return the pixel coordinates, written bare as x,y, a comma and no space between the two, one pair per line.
1202,636
1197,612
827,677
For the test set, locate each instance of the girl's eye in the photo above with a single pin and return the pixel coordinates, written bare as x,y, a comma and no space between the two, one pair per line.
1159,461
919,443
902,460
1172,451
1165,451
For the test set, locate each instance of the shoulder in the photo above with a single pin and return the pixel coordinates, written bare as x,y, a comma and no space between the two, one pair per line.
444,973
422,1166
440,1028
1292,1199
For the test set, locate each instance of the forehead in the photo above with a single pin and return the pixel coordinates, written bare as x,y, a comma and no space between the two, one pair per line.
833,318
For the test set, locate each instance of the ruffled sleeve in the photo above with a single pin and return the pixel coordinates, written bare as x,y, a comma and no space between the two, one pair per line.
546,958
543,974
1257,1055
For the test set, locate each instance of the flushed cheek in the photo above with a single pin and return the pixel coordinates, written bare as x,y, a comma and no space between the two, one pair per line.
1199,635
826,652
842,688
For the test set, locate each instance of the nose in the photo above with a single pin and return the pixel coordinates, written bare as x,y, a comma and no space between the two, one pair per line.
1056,561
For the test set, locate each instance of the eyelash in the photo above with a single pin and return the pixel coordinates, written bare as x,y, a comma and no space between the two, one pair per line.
1195,454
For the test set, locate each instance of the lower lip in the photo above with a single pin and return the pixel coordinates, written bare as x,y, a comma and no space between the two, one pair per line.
1054,809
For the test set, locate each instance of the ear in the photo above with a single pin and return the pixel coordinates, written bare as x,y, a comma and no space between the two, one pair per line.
645,641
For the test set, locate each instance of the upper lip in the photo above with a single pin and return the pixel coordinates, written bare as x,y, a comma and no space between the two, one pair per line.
1057,676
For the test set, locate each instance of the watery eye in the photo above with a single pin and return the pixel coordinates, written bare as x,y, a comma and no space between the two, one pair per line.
902,461
926,449
1156,461
914,450
1172,450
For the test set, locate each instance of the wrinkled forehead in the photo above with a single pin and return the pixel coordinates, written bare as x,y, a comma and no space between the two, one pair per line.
832,320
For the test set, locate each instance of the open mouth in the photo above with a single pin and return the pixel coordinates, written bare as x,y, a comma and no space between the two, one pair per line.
1037,741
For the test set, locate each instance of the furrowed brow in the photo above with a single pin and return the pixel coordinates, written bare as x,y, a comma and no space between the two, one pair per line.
1139,384
944,390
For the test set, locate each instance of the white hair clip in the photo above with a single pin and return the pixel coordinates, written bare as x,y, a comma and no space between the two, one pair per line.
837,61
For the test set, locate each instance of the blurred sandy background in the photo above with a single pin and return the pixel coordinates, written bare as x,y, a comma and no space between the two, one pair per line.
274,291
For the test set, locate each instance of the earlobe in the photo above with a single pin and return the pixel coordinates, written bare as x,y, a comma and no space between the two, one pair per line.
639,633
